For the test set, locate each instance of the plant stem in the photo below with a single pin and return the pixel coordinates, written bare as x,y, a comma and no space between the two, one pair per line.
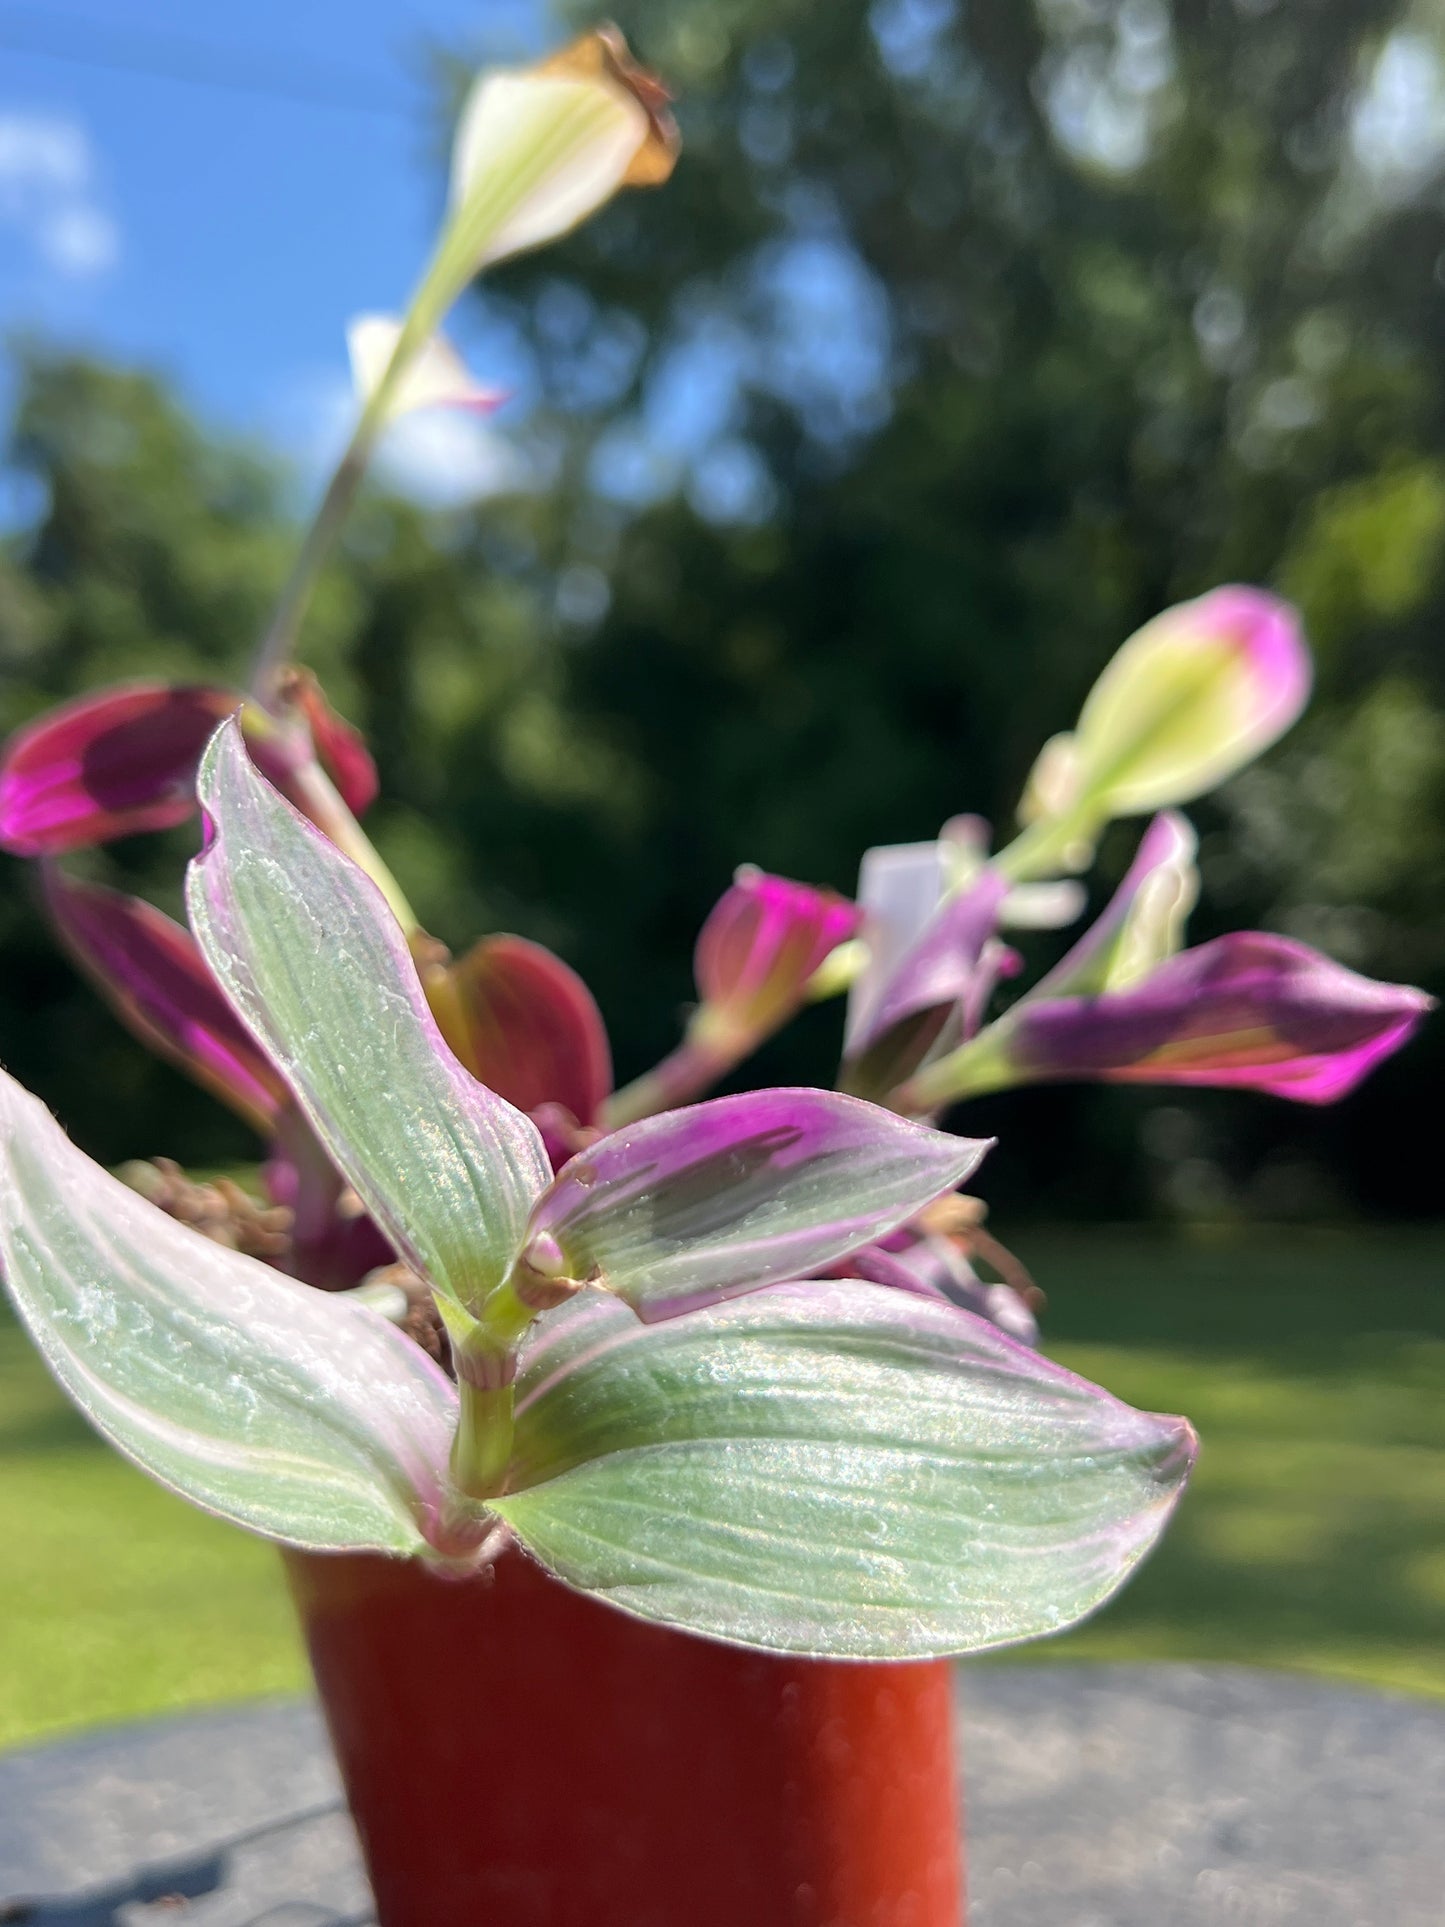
698,1061
975,1068
278,645
486,1366
482,1447
1046,847
325,806
459,253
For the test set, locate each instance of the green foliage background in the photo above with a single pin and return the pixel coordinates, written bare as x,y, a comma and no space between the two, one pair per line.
992,329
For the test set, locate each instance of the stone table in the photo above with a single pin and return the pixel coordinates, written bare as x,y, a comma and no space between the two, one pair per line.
1098,1796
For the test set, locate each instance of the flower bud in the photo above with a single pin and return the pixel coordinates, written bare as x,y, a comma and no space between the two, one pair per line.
524,1024
1190,698
340,747
540,148
761,944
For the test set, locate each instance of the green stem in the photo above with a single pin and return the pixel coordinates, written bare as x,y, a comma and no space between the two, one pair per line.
278,645
323,803
486,1366
1045,848
482,1446
981,1065
459,253
700,1060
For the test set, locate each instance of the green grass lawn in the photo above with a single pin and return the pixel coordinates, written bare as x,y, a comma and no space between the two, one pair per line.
1313,1367
1313,1535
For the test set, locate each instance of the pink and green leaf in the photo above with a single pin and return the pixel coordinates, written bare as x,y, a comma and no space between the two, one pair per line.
692,1206
1252,1011
150,972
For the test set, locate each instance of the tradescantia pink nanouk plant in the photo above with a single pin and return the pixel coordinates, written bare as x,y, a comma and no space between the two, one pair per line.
726,1364
718,1465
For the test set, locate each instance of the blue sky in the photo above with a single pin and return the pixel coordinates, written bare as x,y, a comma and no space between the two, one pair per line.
202,221
219,222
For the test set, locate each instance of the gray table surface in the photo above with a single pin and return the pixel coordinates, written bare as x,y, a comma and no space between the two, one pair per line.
1098,1796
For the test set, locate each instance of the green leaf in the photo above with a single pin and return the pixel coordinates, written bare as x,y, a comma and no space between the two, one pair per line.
290,1411
308,952
832,1468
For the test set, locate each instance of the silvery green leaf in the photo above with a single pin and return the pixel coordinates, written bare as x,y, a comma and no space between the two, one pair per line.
309,954
832,1468
275,1406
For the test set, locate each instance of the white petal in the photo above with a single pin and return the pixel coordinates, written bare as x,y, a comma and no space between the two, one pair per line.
900,886
535,154
436,378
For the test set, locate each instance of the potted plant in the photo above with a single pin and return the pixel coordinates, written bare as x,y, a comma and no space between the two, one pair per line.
637,1457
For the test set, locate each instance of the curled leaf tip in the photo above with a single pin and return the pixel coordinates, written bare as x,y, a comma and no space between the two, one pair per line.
604,54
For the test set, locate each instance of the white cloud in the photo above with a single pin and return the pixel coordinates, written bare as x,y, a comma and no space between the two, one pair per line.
81,240
445,458
48,193
36,150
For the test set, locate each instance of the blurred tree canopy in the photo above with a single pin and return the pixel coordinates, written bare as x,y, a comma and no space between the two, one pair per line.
965,337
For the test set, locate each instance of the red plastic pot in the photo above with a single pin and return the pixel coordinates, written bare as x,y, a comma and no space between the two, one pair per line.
517,1755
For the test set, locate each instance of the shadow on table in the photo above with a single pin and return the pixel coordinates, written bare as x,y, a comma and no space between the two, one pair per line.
171,1883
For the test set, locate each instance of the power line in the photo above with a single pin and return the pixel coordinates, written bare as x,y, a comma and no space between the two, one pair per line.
82,41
